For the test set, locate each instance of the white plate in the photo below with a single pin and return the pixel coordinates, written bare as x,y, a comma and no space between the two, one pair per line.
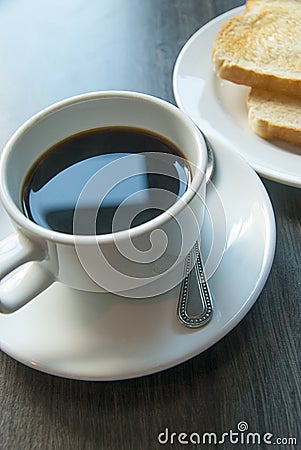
219,108
103,337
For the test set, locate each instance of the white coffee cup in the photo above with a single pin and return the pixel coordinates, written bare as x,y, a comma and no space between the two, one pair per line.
35,257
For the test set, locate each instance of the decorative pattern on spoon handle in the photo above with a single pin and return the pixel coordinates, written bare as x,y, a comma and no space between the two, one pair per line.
194,266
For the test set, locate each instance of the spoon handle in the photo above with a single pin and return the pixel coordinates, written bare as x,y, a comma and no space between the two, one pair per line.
194,268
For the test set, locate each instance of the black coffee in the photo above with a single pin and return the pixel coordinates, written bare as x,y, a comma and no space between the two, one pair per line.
114,178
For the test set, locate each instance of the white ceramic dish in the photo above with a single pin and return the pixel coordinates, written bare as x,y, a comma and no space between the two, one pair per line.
103,337
219,108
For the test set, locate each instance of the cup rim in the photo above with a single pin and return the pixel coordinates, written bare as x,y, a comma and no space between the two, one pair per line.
33,228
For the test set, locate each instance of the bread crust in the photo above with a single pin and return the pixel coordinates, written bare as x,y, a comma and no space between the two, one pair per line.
274,116
273,132
270,131
253,78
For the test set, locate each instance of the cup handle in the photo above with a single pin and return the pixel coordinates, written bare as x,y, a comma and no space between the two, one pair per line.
25,284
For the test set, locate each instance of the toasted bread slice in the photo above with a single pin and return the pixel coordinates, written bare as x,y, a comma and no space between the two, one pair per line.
262,48
251,5
275,116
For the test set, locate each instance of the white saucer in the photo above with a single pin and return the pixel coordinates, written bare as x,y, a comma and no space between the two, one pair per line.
219,108
103,337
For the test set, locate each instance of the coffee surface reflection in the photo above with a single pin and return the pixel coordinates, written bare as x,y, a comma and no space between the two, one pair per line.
136,175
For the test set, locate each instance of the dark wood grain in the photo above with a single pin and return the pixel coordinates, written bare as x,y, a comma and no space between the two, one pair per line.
253,374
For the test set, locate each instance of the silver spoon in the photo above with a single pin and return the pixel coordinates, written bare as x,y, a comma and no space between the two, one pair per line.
195,306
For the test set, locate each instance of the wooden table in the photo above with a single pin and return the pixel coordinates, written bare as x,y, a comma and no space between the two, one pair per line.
48,51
